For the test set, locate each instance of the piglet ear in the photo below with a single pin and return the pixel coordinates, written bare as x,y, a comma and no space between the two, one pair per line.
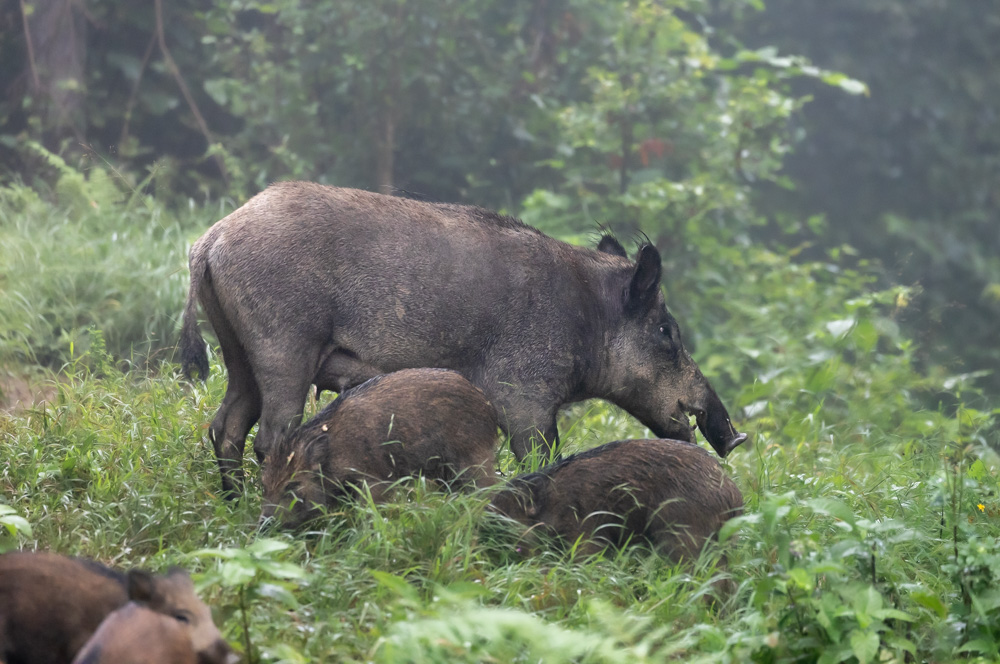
645,283
180,575
141,586
609,245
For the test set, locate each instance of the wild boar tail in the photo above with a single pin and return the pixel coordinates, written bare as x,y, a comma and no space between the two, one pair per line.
194,355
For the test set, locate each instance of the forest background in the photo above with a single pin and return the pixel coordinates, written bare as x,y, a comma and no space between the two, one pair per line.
822,179
497,103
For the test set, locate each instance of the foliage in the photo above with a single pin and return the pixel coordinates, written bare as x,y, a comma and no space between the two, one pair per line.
645,116
422,96
12,524
858,496
98,258
671,132
256,575
907,175
446,99
466,99
871,482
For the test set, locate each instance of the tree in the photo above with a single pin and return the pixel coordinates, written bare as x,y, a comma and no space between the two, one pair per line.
908,175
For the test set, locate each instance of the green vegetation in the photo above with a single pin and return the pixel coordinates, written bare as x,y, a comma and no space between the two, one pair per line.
908,174
97,258
873,501
872,527
697,103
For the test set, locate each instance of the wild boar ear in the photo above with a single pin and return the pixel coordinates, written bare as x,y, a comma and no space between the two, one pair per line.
645,283
609,245
180,574
312,449
141,586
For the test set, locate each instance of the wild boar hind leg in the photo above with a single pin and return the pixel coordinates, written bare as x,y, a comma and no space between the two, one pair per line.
238,413
340,369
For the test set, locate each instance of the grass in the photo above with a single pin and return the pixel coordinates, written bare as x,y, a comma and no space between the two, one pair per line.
95,259
118,468
871,533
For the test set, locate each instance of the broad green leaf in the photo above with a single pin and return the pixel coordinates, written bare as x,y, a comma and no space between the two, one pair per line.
983,646
865,336
839,328
866,604
280,593
826,567
284,653
864,645
216,553
853,86
928,600
977,470
900,643
234,574
801,578
217,90
281,570
266,546
16,524
826,615
987,602
396,584
822,377
894,614
832,655
13,522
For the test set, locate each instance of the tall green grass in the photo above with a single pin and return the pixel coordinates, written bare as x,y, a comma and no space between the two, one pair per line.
91,255
871,533
848,553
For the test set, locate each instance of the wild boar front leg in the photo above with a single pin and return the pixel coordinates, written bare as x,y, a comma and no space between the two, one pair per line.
528,425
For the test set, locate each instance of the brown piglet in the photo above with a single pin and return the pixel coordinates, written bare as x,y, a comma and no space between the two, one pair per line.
431,422
669,493
50,605
135,634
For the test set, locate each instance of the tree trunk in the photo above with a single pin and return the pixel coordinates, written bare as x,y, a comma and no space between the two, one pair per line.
56,39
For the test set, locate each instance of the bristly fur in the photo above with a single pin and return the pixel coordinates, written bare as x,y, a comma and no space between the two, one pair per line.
610,245
312,431
669,493
482,215
309,442
599,231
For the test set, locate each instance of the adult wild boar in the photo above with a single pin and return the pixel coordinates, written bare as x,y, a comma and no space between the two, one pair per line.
50,605
669,493
431,422
309,284
135,634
